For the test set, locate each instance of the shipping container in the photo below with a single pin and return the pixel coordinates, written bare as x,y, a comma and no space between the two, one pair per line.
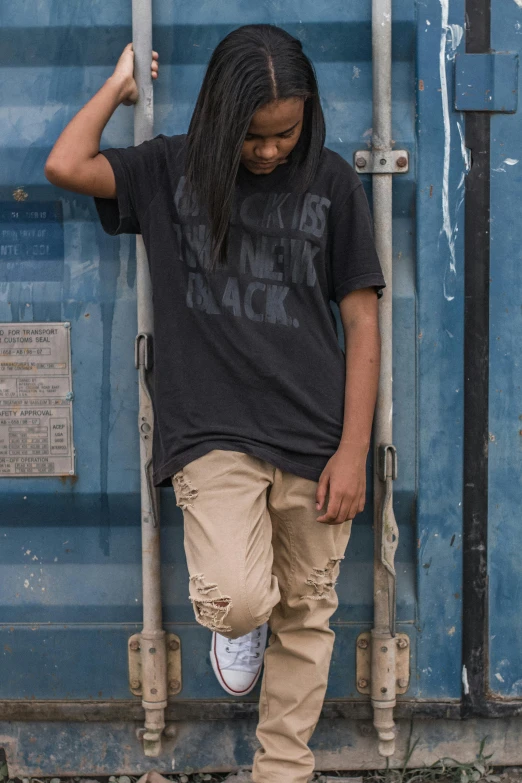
70,576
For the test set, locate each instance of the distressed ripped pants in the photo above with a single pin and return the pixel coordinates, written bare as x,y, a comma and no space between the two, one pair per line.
255,552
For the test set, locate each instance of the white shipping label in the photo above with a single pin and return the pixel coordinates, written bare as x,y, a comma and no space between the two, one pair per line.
36,437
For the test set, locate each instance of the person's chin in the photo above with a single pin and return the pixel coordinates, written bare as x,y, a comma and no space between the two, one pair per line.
259,168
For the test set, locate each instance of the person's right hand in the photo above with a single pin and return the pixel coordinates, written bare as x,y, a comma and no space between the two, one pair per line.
124,73
75,162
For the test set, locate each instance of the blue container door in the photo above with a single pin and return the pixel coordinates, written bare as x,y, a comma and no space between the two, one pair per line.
505,383
70,582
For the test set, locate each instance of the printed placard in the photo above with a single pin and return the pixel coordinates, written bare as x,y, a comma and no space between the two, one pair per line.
36,435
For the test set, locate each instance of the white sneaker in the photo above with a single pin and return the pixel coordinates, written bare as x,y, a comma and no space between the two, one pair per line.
237,663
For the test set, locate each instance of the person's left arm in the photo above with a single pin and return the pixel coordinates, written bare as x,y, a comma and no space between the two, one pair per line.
344,477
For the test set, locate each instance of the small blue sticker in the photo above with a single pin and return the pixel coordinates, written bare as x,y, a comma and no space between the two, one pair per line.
31,242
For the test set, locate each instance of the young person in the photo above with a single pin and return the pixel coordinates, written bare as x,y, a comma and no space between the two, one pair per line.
252,227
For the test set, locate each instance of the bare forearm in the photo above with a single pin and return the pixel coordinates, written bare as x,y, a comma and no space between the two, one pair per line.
75,162
345,473
362,378
80,139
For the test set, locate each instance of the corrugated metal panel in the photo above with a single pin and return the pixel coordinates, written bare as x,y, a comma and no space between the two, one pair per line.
70,591
440,328
85,537
505,381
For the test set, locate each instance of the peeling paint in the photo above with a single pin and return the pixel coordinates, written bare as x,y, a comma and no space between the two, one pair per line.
446,222
465,682
466,153
452,34
456,31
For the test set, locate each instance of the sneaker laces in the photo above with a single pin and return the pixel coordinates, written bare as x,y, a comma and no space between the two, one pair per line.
246,648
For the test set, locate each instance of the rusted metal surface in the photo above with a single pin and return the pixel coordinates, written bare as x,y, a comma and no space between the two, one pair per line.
174,679
179,710
376,162
401,675
65,750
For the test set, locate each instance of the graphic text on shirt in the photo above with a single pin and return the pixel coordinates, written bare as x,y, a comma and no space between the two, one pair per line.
273,243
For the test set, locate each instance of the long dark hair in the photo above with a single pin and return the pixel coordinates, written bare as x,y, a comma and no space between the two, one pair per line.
252,66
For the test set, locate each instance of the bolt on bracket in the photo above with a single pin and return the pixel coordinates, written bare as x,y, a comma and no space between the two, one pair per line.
364,660
378,162
174,682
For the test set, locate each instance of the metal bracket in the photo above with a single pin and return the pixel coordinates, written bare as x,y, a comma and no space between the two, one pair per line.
143,356
378,162
173,664
486,82
388,530
363,665
383,460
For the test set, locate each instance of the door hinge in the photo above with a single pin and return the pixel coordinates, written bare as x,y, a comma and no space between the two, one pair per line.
174,681
364,660
486,82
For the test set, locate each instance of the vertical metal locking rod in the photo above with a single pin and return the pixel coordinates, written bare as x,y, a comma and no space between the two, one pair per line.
153,643
385,528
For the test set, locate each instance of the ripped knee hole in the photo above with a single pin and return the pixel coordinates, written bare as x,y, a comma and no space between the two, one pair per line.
322,580
186,494
211,612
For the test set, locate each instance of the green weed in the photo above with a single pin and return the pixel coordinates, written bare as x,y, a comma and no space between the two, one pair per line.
445,770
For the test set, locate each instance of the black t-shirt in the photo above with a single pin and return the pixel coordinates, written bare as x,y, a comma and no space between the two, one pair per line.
246,358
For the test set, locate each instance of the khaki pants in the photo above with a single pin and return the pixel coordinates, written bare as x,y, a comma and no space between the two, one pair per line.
255,552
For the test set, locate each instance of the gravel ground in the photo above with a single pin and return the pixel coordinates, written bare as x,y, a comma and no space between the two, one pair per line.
506,775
